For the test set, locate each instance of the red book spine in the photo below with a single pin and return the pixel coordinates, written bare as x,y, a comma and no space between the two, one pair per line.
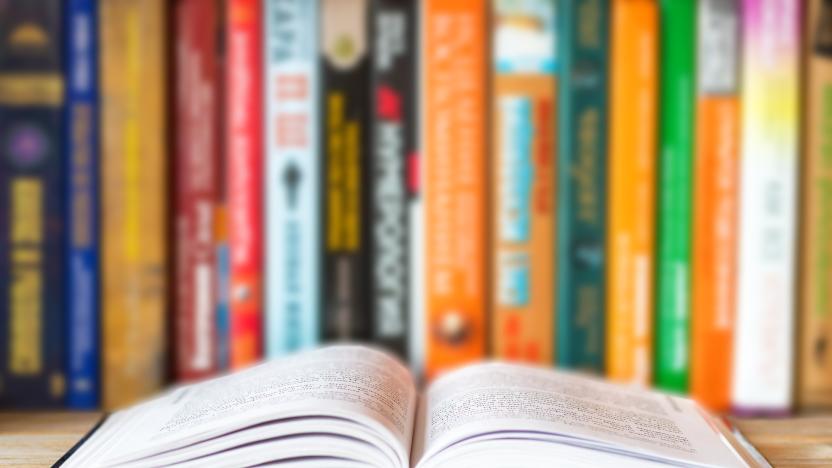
244,171
196,187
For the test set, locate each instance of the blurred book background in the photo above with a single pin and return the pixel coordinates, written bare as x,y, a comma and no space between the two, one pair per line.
640,189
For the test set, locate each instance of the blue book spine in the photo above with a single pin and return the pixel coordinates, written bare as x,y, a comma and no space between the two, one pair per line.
223,323
81,142
292,168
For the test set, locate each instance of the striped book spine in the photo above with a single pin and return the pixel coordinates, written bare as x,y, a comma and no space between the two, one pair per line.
716,202
763,351
292,183
632,171
582,182
674,193
82,279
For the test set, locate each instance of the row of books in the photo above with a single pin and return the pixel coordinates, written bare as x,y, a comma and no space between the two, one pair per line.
190,187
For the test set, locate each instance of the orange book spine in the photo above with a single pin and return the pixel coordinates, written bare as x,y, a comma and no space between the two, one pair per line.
716,203
632,169
523,180
455,47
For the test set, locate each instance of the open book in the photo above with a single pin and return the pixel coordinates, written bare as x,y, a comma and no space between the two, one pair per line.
345,406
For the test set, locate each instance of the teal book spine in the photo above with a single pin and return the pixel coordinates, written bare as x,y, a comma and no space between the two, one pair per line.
582,161
675,199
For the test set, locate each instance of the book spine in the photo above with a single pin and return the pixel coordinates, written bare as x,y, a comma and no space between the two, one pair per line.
763,365
292,168
244,150
455,189
716,202
134,198
222,293
632,171
81,141
394,144
523,179
197,148
346,175
815,360
675,194
32,206
582,153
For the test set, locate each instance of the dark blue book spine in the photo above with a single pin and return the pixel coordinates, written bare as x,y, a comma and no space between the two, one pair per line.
82,205
32,206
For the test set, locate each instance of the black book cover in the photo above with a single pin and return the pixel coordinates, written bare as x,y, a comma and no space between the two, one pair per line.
394,149
32,241
346,172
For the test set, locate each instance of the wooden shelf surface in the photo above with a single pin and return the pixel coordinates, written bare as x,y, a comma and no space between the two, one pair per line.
40,438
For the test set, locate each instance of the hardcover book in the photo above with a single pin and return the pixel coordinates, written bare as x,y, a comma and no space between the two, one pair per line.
632,172
455,45
763,362
82,201
675,193
350,406
244,172
346,175
32,207
134,161
292,184
393,148
196,176
814,385
523,67
582,183
716,202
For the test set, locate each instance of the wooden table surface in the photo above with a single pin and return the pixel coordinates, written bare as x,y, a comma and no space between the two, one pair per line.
40,438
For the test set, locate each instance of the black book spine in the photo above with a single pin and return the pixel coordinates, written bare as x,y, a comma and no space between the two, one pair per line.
346,173
394,140
32,241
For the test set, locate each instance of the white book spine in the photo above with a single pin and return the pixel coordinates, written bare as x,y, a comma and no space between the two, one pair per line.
763,352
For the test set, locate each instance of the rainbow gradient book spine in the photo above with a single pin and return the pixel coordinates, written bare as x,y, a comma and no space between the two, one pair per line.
674,229
292,183
763,353
81,141
582,182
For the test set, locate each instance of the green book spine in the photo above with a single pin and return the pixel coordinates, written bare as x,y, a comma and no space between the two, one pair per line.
582,151
676,136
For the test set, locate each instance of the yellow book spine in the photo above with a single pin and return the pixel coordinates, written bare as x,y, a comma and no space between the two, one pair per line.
632,169
134,232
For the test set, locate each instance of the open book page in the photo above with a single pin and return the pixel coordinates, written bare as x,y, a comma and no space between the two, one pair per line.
349,382
489,399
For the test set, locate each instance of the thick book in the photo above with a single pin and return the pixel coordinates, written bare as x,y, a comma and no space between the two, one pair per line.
763,358
674,193
814,386
346,178
716,202
32,207
583,42
292,185
82,200
454,183
244,172
522,174
196,185
134,194
350,406
632,164
393,147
